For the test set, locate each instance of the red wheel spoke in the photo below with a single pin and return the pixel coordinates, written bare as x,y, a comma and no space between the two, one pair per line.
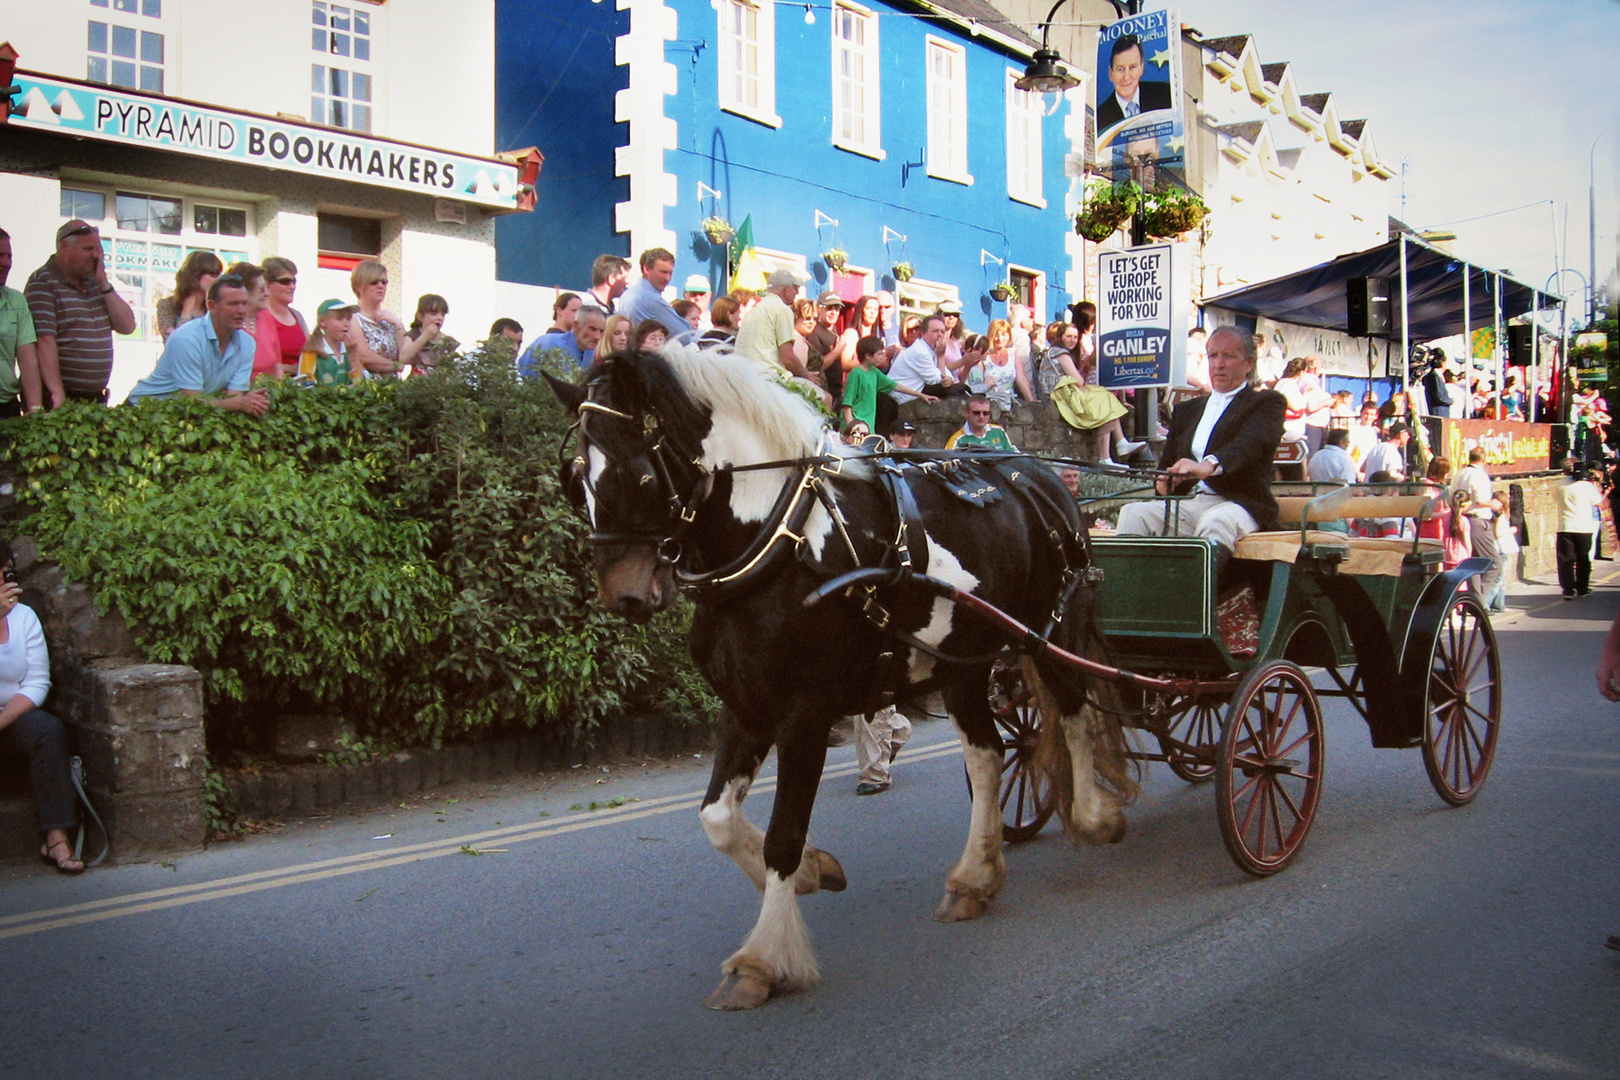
1276,819
1289,799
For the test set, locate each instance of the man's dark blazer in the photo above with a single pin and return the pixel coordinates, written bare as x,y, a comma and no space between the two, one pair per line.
1244,442
1153,95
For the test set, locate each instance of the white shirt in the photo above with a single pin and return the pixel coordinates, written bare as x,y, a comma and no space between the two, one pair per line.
1578,506
25,664
1385,457
1477,482
1214,409
915,368
1331,464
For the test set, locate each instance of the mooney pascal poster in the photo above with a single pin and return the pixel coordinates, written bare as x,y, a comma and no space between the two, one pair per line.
1141,320
1138,92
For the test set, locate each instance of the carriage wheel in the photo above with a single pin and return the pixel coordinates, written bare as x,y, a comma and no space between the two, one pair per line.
1268,770
1026,794
1464,705
1190,738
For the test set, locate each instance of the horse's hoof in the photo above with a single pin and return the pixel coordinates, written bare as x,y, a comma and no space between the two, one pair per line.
1108,832
959,907
832,872
738,992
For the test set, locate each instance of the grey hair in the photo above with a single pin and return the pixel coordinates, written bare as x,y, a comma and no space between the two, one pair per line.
1251,351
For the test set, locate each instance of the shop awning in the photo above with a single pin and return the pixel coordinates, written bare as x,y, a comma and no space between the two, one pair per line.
1316,296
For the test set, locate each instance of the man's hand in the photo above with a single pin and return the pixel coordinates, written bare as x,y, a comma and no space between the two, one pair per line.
1608,676
253,402
1198,470
930,398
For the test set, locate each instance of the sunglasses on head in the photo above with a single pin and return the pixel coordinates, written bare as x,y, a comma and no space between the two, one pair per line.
82,230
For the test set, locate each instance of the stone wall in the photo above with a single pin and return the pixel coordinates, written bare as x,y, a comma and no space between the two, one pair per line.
138,726
1034,427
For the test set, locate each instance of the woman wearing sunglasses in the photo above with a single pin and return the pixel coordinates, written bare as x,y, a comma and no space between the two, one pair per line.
281,329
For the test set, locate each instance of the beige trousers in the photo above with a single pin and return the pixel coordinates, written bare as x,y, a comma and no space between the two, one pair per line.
878,740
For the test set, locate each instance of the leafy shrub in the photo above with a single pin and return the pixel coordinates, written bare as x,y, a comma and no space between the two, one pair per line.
400,553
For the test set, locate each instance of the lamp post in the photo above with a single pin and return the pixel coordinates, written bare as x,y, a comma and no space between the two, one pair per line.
1046,73
1563,340
1591,233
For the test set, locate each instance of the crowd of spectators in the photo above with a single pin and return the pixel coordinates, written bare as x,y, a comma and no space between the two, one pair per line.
223,328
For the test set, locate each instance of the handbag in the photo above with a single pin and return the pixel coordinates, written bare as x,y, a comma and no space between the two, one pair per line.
76,770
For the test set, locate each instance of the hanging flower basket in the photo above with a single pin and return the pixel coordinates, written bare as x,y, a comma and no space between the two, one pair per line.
902,271
1002,291
1171,213
837,259
718,230
1107,207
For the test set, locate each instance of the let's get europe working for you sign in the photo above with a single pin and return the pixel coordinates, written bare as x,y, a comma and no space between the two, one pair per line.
1141,318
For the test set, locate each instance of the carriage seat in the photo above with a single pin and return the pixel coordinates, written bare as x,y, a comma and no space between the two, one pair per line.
1383,556
1291,509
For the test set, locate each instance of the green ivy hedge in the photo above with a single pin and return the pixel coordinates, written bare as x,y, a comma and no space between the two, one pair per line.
397,552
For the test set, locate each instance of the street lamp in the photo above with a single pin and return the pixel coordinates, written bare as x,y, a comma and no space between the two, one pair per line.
1591,234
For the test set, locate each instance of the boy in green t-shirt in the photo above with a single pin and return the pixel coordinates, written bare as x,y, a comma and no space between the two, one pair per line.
864,384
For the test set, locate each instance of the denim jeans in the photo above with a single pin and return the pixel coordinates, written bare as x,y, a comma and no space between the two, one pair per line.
42,738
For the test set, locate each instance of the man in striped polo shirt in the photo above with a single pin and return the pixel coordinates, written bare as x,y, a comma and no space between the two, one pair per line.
76,311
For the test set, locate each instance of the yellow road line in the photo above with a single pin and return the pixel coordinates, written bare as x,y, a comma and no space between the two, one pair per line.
241,884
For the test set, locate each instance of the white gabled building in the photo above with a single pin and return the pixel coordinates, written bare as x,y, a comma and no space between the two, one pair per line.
1288,182
319,131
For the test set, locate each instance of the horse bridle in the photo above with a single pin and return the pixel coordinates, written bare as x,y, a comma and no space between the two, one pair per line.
782,523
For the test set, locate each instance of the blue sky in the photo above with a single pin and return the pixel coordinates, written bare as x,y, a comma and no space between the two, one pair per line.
1492,104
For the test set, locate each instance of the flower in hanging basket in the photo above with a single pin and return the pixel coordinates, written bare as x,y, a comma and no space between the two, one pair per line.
1003,291
837,259
718,230
1107,207
902,271
1171,213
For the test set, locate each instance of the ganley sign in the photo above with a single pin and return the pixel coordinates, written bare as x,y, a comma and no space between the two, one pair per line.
69,107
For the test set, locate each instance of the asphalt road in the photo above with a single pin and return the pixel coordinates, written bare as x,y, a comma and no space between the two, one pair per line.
1410,940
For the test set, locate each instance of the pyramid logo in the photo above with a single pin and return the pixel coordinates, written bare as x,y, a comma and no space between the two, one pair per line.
38,109
67,108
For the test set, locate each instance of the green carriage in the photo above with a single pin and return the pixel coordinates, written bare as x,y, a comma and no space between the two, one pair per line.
1230,657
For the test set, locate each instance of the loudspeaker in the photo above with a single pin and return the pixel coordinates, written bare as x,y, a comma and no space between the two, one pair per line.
1366,301
1519,345
1558,446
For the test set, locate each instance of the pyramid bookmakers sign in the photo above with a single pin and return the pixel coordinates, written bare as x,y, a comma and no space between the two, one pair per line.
1141,318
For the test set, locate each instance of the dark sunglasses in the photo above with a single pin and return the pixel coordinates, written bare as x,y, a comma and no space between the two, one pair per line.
285,280
82,230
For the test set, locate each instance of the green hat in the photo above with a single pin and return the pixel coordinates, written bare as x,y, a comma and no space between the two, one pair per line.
335,307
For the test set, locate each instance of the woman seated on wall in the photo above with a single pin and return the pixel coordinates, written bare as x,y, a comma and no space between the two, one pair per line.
26,729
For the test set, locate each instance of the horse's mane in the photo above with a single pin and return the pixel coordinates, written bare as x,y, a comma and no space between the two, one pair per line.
738,391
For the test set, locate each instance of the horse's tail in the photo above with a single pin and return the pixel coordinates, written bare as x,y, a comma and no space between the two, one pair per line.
1082,749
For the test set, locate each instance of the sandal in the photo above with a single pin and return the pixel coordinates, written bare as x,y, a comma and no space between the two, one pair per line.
64,862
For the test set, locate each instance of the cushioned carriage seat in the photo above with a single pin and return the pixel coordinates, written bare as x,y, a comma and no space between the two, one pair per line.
1384,556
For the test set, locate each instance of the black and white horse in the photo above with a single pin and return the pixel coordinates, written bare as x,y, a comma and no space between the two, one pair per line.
668,471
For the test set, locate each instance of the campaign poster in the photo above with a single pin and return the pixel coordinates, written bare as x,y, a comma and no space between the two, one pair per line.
1141,319
1138,88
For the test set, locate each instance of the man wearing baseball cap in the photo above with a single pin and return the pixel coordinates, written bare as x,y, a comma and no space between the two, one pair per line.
76,311
826,347
767,334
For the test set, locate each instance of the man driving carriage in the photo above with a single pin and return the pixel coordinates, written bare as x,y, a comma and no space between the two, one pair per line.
1220,447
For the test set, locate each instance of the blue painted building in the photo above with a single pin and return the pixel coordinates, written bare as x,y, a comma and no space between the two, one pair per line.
890,131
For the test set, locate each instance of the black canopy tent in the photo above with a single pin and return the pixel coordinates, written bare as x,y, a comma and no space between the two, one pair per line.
1435,305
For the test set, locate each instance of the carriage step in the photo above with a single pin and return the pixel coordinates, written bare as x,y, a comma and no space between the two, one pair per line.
1285,766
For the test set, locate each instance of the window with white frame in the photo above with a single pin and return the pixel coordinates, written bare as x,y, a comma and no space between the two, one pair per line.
122,50
147,235
855,80
947,111
1023,143
341,88
748,59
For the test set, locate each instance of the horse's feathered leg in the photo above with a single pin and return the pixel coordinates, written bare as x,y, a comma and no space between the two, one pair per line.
979,874
736,760
777,954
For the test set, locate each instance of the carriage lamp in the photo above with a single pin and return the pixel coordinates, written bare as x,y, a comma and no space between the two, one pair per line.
1046,74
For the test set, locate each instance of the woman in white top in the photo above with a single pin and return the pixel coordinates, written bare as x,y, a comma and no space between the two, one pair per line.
25,728
997,376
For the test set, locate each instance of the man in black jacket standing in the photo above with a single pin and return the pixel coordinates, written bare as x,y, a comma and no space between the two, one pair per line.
1223,444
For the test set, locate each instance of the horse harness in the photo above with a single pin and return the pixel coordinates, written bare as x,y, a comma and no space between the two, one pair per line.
904,552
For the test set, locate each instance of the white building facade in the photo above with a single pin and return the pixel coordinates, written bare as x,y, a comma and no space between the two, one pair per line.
317,131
